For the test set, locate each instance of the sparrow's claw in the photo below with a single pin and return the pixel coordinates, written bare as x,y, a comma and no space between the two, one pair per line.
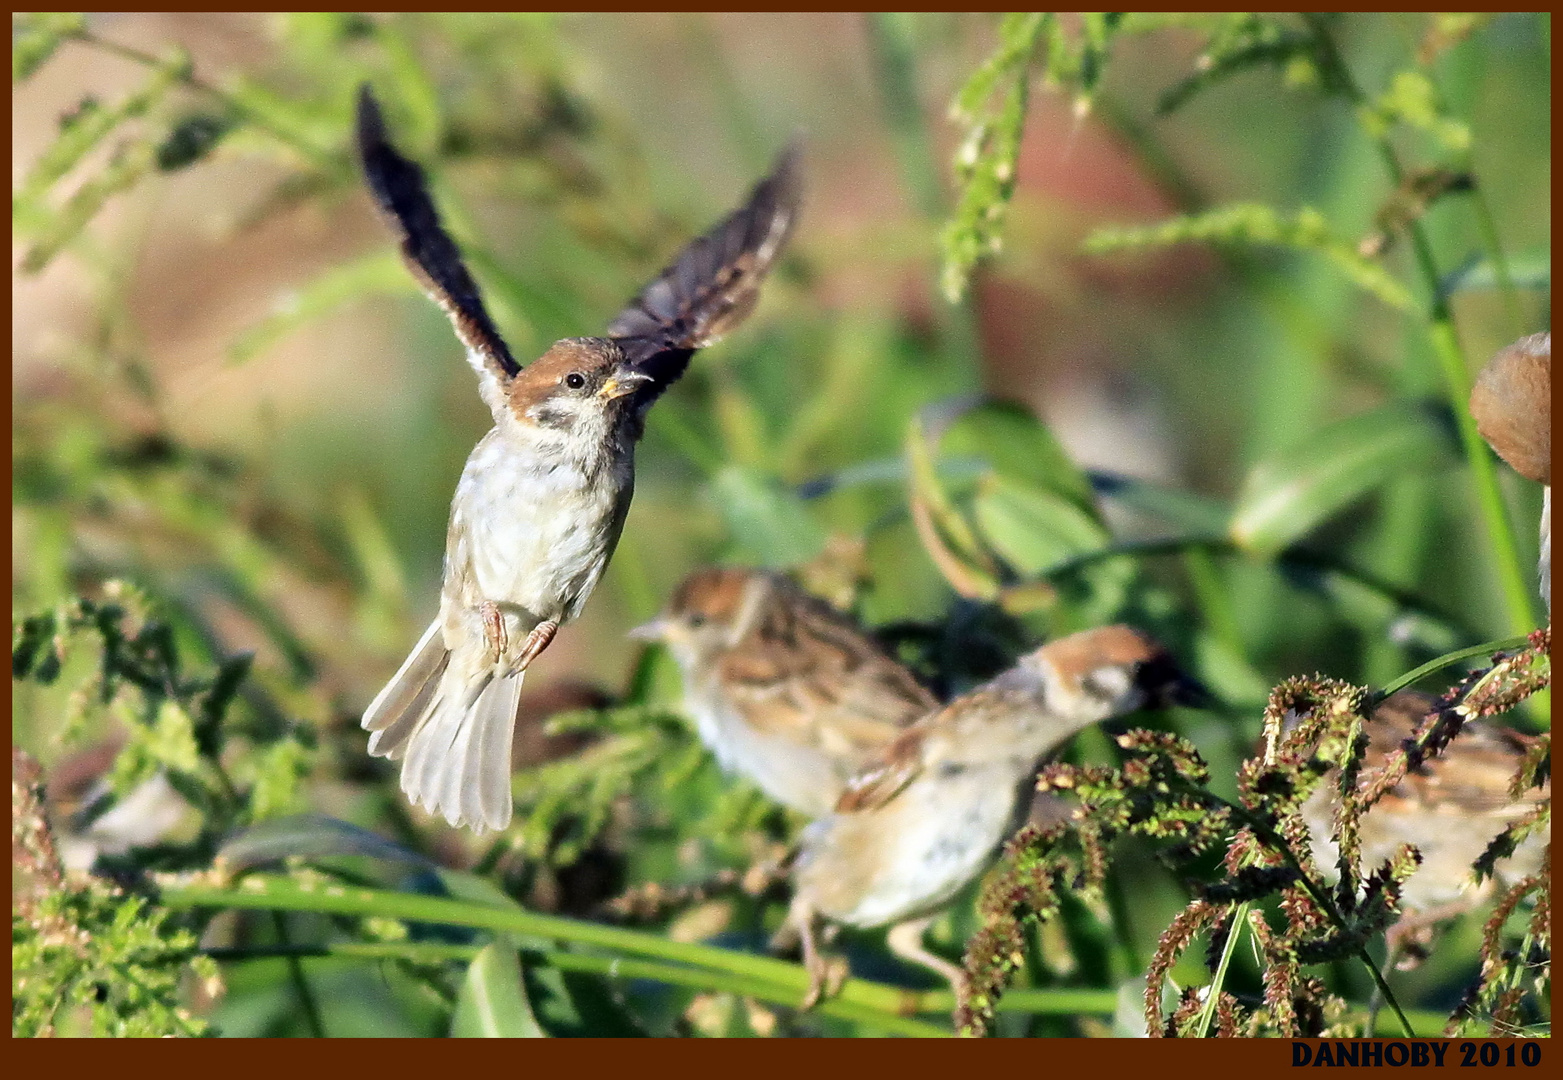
536,642
816,991
494,629
825,980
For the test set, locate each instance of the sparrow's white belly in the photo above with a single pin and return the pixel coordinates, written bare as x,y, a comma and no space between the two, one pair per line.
531,538
793,774
941,842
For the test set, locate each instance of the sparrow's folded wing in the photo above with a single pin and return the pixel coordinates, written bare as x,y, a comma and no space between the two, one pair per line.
714,283
880,782
821,681
403,200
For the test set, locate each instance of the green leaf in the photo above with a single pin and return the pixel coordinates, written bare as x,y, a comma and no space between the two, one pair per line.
35,36
1032,528
926,486
214,703
889,470
493,1002
478,890
1290,492
1189,512
278,770
171,739
770,523
1527,270
1020,448
311,835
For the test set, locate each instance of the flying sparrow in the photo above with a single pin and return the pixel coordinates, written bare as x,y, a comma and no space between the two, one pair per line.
784,690
1451,808
542,499
1512,405
930,813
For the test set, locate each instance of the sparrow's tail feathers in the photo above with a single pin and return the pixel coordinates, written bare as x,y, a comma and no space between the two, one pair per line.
457,762
397,709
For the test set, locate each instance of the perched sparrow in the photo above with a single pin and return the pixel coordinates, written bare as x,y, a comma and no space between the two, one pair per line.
783,689
929,815
1512,405
1451,809
541,502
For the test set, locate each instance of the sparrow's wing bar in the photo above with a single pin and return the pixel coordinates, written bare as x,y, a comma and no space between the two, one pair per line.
714,283
403,200
878,783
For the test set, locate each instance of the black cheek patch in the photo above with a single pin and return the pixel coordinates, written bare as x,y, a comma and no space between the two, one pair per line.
1099,689
554,417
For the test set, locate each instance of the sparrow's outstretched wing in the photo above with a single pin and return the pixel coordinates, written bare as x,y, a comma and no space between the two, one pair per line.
403,200
714,283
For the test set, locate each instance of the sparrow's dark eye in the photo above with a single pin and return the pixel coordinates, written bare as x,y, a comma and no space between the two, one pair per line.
697,620
575,380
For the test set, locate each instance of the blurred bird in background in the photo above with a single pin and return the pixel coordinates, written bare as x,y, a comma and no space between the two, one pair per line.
88,822
1451,807
926,817
784,690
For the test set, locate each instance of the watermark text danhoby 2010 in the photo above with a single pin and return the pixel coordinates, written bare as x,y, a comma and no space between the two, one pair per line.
1416,1053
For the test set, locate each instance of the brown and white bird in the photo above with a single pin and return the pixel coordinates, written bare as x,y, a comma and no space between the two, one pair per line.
931,813
543,497
784,690
1451,808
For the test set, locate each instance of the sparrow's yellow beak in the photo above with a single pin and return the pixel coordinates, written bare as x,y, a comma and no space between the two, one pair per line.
625,382
655,630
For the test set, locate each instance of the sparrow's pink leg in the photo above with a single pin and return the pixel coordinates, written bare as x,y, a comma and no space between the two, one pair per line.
825,975
494,629
906,941
813,962
536,642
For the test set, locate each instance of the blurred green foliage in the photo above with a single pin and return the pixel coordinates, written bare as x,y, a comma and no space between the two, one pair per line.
1374,196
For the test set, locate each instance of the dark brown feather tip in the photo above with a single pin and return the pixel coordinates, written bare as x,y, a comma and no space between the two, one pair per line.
402,197
714,283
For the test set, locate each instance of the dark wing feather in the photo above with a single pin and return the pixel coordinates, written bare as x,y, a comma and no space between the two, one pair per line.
403,200
714,283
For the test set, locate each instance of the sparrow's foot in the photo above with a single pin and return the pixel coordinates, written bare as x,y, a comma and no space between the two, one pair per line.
826,977
906,941
494,629
536,642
